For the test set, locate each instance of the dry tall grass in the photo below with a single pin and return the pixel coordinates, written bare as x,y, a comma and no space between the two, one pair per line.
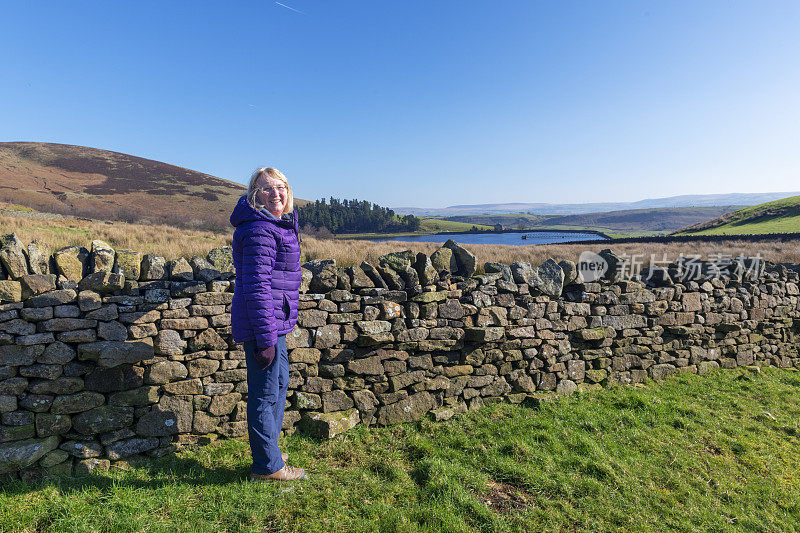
171,243
162,240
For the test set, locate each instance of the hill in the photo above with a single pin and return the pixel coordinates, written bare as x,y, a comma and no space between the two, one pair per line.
779,216
100,184
687,200
660,220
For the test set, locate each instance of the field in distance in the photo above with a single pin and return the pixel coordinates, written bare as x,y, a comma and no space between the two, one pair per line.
779,216
624,223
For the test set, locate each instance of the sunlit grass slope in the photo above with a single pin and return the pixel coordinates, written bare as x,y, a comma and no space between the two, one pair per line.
780,216
696,453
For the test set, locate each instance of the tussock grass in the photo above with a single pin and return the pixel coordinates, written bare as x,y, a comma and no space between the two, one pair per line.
694,453
167,241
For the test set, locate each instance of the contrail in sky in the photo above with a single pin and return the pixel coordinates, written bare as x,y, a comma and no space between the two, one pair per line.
288,7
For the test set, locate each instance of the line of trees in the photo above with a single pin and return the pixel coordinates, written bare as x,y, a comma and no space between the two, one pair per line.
355,216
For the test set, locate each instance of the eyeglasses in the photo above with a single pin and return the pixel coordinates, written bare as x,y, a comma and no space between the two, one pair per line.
276,190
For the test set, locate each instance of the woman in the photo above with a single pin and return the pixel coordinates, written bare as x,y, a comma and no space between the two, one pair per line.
266,256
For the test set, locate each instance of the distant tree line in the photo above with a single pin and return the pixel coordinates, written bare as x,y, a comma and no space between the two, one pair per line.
355,216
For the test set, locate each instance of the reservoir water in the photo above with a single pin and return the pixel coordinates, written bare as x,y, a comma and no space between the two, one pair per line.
513,238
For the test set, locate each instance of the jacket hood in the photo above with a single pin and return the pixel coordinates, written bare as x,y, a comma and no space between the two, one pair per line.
244,212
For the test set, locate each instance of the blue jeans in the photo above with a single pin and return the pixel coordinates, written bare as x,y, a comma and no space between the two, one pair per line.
266,401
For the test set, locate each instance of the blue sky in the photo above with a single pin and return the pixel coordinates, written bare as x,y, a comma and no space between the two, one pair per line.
424,103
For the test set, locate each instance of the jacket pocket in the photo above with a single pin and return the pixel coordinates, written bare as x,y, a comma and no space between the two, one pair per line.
286,308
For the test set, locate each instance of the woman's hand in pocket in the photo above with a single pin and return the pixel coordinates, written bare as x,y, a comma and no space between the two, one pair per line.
264,357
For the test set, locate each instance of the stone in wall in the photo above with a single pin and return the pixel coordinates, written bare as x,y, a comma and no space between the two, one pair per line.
522,273
20,454
465,260
499,268
102,257
71,262
180,270
444,260
358,278
222,259
39,257
324,275
128,263
328,425
153,267
549,278
570,269
113,353
10,291
102,281
204,270
614,263
425,270
35,284
12,256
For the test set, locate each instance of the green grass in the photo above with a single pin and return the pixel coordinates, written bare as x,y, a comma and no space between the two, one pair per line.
14,207
511,220
712,453
435,225
65,231
766,225
790,202
779,216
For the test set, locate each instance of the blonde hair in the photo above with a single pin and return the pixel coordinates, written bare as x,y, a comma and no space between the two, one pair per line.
272,173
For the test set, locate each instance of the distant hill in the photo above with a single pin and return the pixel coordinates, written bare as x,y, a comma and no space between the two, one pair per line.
693,200
94,183
663,220
780,216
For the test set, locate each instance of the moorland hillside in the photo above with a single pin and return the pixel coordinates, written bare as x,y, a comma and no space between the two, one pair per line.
105,185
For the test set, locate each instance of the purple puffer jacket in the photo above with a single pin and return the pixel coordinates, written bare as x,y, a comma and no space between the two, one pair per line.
266,256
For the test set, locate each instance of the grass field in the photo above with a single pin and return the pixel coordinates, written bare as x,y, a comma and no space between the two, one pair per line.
779,216
695,453
768,225
435,225
517,221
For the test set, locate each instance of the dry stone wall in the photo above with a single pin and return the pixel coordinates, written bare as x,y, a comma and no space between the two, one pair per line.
107,354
